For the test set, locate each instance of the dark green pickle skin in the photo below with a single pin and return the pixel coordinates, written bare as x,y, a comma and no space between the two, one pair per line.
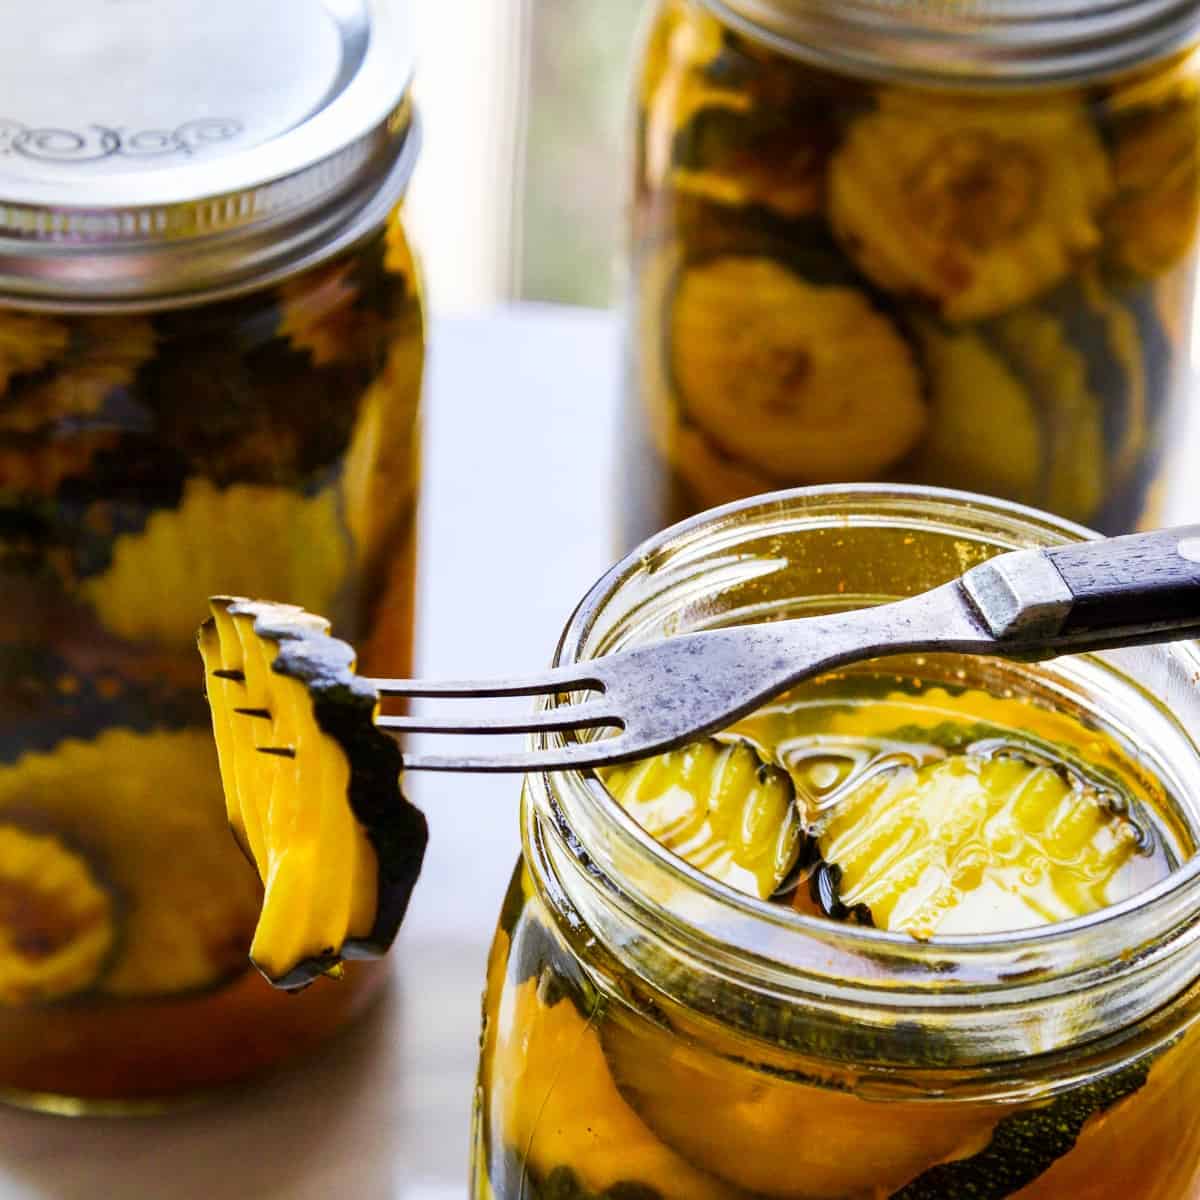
1024,1144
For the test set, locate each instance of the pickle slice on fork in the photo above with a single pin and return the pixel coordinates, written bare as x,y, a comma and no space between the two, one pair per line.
312,788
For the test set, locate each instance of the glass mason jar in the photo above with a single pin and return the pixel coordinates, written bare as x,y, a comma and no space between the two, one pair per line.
945,244
652,1033
209,383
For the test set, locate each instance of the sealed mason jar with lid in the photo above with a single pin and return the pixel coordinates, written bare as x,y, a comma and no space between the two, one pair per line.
934,242
920,929
211,351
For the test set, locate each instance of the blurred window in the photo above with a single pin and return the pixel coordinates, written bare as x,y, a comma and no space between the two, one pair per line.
522,175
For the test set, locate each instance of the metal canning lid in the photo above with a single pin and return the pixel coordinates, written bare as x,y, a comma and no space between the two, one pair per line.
991,42
156,151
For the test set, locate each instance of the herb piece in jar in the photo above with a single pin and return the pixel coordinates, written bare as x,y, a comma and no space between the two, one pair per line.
82,686
28,342
320,813
768,158
971,204
39,463
801,382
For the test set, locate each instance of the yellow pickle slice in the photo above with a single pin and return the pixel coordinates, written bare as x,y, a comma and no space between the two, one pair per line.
973,204
801,382
974,844
927,812
921,814
312,788
110,816
58,919
720,807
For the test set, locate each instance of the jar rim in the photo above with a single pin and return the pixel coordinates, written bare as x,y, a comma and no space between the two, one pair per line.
989,43
1154,936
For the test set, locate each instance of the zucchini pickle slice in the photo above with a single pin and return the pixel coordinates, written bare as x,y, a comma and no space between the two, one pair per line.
270,538
801,382
984,429
136,810
1154,218
976,845
321,814
58,921
773,1133
553,1095
719,807
966,202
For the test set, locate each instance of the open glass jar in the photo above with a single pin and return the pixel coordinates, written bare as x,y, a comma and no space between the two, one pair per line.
938,243
650,1032
211,350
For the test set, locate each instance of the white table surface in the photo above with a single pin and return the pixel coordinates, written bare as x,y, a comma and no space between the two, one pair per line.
516,525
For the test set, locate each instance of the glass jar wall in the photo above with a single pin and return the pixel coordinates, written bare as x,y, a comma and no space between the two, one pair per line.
841,271
651,1032
261,446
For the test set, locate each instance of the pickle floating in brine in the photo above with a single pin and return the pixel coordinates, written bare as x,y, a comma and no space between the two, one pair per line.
1075,463
1155,130
572,1119
719,807
719,1106
800,382
972,205
134,803
104,354
711,476
985,428
28,342
976,845
248,538
58,919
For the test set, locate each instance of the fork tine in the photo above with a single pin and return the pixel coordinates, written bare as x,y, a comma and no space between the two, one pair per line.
602,752
560,679
589,715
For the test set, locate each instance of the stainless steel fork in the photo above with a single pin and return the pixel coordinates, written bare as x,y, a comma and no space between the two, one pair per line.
1026,605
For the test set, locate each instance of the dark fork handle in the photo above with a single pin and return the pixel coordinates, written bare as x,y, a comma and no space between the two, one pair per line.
1087,591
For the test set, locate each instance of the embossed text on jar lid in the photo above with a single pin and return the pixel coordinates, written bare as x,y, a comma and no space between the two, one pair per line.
151,150
994,42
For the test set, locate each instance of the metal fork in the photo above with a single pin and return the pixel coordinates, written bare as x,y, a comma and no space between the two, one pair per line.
1026,605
